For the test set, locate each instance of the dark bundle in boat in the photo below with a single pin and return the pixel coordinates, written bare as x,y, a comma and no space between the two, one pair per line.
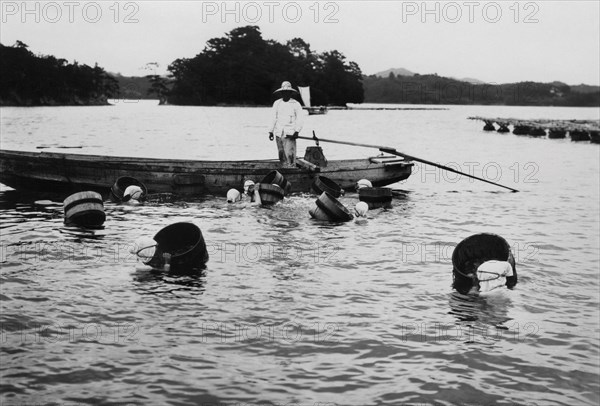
477,249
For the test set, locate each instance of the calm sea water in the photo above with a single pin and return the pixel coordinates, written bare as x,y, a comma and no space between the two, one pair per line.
293,311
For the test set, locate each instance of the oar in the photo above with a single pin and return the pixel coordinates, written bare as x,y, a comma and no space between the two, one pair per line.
393,151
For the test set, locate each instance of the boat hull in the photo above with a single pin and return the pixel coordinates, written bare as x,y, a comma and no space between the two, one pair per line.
49,171
316,110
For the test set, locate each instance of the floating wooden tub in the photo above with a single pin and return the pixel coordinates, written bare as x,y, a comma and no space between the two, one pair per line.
323,184
118,188
556,133
481,247
332,208
376,197
521,130
270,194
274,177
319,214
537,132
84,209
489,126
578,135
185,246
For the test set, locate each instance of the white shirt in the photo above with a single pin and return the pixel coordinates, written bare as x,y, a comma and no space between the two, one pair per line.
287,117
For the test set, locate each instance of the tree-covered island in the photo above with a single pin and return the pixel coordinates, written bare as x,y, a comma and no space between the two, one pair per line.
38,80
243,68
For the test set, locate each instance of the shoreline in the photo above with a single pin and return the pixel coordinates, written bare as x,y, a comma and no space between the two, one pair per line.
53,103
351,106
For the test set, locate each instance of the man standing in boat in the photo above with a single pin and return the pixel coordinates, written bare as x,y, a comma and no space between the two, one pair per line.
287,123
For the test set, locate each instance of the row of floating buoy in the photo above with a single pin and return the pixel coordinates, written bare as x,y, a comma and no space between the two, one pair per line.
553,132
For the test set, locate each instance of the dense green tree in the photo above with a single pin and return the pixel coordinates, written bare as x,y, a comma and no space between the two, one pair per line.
244,68
158,86
30,80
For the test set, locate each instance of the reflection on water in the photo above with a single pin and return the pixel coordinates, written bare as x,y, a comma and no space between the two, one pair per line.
293,310
160,282
491,310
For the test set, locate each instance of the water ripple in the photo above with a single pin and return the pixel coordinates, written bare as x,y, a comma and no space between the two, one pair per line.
292,310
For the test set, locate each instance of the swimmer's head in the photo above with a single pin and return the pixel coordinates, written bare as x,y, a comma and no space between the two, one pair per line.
233,196
363,183
361,209
249,187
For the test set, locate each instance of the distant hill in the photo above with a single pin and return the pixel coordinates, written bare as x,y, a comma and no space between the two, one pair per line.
470,80
585,88
133,87
406,72
434,89
582,88
395,71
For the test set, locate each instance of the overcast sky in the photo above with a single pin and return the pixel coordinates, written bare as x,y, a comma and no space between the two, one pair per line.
496,42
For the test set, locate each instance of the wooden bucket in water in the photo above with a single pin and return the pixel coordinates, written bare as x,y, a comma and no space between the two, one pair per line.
579,135
537,132
489,126
331,208
276,178
84,209
270,194
318,214
554,133
376,197
323,184
118,188
521,130
185,245
479,247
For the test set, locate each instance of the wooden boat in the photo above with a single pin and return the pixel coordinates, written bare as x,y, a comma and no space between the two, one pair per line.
53,171
312,110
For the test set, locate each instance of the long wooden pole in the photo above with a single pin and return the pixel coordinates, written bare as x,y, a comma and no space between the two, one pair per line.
393,151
